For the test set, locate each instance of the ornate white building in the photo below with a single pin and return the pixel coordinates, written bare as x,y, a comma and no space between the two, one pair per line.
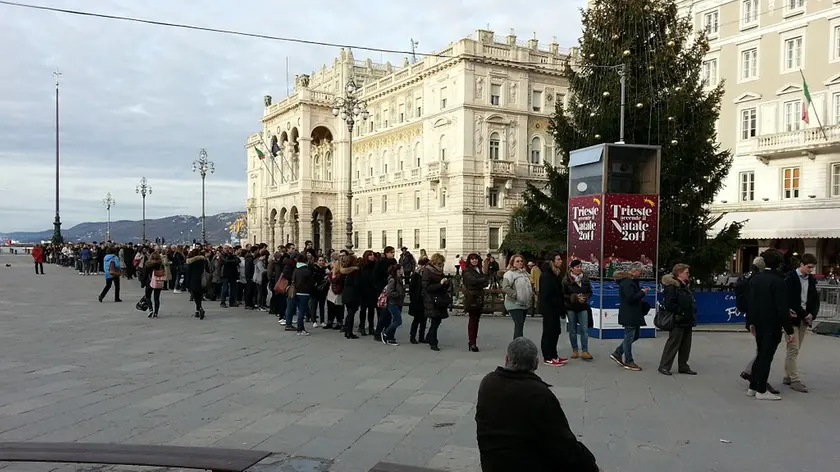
450,144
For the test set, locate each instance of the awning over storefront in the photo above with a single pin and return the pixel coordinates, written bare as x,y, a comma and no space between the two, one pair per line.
785,224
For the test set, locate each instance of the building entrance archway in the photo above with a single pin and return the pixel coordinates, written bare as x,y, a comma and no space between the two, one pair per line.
322,228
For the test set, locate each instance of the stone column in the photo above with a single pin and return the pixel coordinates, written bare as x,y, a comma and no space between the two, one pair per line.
282,226
304,170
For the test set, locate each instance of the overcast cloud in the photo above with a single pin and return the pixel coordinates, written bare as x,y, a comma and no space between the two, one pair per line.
140,100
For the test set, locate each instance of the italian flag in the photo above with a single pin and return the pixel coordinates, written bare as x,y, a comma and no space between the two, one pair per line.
262,156
806,104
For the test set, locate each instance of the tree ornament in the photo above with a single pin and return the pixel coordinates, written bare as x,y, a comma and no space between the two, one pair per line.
597,136
670,118
647,7
615,37
626,52
592,114
639,105
710,140
580,105
677,88
592,56
671,43
606,94
650,67
674,141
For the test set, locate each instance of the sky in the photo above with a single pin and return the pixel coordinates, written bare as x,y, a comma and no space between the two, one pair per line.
139,100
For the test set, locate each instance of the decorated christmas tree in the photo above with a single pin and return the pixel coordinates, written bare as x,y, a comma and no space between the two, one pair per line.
667,104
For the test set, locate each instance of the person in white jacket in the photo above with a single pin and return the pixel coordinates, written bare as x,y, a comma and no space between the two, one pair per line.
516,285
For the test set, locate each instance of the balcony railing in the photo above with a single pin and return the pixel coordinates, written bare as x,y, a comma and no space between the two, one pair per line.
436,170
383,179
398,175
415,173
797,141
497,167
368,181
250,202
537,171
322,185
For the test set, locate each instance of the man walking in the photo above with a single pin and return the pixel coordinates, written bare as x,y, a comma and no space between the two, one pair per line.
769,311
804,300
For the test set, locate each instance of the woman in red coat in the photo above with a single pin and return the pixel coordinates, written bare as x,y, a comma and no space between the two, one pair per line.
38,256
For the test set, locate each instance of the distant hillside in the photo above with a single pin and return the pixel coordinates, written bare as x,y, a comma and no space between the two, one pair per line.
174,229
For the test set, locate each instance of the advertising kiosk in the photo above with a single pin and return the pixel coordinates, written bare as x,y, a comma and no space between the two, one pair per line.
614,222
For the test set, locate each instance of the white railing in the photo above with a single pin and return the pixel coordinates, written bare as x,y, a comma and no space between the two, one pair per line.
368,181
383,179
803,138
398,175
415,173
500,167
322,184
536,170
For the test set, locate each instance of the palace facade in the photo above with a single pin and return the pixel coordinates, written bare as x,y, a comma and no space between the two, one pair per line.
440,164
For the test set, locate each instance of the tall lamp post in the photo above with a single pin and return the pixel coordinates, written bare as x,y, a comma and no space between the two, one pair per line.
203,165
56,238
108,202
350,108
144,189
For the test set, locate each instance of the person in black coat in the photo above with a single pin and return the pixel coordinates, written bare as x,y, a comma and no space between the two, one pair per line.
230,276
367,279
474,283
552,306
631,314
769,306
520,425
197,266
250,285
416,308
318,299
678,300
436,297
351,293
804,305
380,280
577,290
303,282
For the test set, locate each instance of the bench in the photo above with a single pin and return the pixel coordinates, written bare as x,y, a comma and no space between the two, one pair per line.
206,458
388,467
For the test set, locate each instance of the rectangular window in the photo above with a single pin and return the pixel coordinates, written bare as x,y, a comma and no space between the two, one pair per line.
356,209
835,180
442,154
536,100
443,238
790,182
748,123
493,238
749,64
749,12
442,98
793,115
370,126
495,94
493,200
385,116
370,239
792,6
416,239
835,44
384,205
401,113
710,73
384,239
356,239
793,54
370,205
399,239
416,199
418,103
399,202
711,23
836,108
747,186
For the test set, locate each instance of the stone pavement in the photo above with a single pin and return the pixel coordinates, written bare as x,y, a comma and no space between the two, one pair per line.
72,369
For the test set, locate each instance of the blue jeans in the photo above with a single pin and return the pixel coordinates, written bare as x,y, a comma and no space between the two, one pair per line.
291,307
396,321
578,324
229,288
631,334
302,302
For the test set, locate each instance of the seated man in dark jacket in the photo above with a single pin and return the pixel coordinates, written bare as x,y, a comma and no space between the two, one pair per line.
520,424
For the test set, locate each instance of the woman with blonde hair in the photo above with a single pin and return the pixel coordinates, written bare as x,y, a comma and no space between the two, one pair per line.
516,285
436,297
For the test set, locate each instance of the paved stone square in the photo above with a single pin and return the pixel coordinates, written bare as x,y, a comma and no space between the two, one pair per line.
72,369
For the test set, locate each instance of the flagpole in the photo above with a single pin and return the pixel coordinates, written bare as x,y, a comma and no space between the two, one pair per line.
811,105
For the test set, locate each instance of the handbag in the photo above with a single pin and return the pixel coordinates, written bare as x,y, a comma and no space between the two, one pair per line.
113,270
382,300
282,285
158,278
442,300
205,280
142,305
664,319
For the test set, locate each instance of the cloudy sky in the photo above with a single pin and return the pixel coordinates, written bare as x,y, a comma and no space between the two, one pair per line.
141,100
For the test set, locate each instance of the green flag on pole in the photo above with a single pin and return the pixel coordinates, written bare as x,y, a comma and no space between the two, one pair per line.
259,153
806,104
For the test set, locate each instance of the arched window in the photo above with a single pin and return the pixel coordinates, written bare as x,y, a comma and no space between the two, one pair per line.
442,147
495,146
360,164
328,174
417,157
385,160
536,150
316,167
401,158
370,166
442,197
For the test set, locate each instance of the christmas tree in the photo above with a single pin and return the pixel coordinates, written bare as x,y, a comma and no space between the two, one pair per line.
667,104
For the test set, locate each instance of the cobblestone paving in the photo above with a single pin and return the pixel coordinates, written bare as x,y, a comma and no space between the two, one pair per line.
72,369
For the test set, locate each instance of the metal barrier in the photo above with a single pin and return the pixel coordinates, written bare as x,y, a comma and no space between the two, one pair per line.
829,302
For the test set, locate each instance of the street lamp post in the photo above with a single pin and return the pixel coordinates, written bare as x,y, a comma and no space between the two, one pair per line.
350,108
57,238
108,202
203,165
144,189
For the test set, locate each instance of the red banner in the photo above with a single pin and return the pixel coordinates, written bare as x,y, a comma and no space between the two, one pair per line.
585,232
631,232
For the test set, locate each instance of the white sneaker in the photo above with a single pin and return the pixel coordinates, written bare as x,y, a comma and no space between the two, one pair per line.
767,396
315,324
750,392
303,333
